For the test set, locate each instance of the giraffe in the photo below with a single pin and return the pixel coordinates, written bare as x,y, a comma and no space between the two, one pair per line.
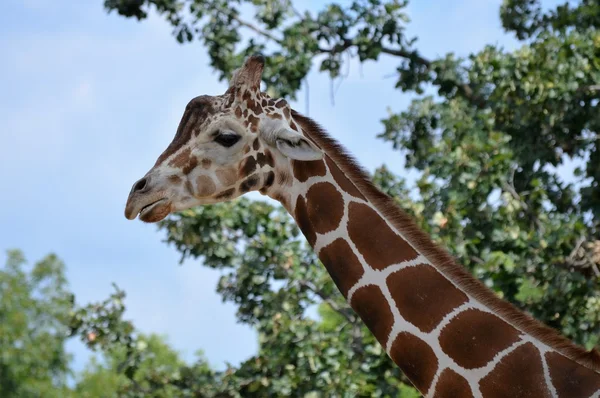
448,333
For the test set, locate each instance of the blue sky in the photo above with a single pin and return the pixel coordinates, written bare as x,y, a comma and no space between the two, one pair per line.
89,100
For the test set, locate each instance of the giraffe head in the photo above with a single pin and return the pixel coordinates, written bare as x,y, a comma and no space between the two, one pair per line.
225,146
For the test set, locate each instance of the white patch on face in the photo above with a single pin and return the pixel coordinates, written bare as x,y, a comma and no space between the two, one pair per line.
204,147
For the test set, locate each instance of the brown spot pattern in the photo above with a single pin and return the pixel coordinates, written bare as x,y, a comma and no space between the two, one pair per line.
254,106
474,337
190,166
246,95
189,187
261,159
196,113
206,163
249,183
238,112
264,158
230,100
226,194
304,170
424,296
519,374
255,144
372,307
375,240
181,159
325,207
571,379
452,385
269,179
269,157
227,176
248,166
205,186
253,123
342,264
342,180
416,359
174,179
301,216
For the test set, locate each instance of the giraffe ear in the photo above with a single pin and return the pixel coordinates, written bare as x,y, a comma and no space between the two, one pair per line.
249,74
289,142
296,146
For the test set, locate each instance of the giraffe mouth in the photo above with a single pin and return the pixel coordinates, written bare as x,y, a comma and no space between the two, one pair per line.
148,207
155,211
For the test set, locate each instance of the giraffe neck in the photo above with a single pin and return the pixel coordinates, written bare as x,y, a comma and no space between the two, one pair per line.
449,334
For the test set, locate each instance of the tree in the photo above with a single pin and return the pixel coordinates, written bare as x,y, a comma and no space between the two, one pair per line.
131,364
34,307
160,373
38,314
486,147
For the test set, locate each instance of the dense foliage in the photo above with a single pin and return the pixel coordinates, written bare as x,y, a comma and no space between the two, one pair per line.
487,134
34,305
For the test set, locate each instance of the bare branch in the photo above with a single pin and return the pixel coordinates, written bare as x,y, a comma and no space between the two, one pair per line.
508,187
584,257
256,29
345,312
463,88
592,88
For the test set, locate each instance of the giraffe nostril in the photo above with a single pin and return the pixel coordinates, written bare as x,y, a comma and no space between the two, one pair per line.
140,185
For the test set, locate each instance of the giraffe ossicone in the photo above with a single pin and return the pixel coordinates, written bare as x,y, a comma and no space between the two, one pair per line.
448,333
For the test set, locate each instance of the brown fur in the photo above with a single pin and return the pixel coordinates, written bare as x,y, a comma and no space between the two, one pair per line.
182,159
227,176
523,368
187,169
443,261
198,109
174,179
416,358
452,385
226,194
206,163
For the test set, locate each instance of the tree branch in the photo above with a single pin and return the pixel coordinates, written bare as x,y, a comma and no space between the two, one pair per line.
256,29
463,88
335,306
582,260
510,188
593,88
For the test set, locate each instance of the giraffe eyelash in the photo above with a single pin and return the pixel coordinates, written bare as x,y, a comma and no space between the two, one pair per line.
226,139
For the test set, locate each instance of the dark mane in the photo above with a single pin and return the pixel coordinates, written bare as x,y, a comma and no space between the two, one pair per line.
443,261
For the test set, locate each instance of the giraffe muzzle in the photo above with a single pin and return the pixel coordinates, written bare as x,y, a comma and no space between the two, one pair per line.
150,206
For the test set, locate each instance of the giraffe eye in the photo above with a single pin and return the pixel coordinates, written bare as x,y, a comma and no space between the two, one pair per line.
227,139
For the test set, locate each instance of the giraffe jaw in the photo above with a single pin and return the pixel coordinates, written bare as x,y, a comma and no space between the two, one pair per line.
153,211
